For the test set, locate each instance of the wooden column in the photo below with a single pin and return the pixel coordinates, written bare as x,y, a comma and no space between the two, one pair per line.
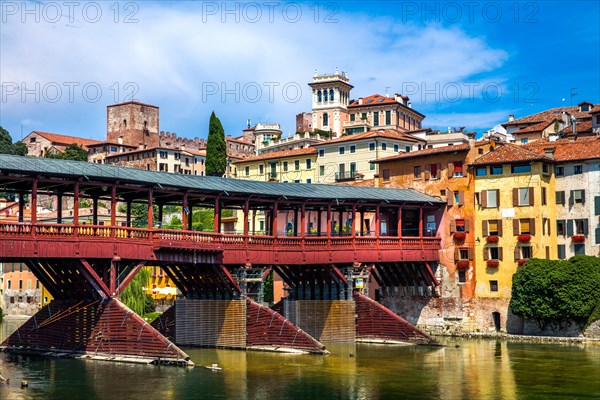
76,206
95,211
128,213
340,221
362,223
34,202
254,222
113,206
151,209
217,217
295,222
274,222
353,227
319,221
246,213
184,214
303,220
328,230
59,208
421,221
21,206
377,221
399,222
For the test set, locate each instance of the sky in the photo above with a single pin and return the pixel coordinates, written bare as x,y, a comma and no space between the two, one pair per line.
462,63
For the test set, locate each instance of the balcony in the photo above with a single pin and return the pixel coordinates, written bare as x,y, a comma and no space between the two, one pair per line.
273,177
345,176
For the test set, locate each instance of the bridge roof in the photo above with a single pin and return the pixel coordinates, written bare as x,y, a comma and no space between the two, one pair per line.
206,184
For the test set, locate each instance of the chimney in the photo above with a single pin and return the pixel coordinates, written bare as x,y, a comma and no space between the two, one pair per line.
120,140
360,100
398,98
511,117
549,152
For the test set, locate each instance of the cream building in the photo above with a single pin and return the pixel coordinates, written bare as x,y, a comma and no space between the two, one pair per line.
289,166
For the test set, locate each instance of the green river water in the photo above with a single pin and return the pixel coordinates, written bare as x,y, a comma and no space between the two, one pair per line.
463,369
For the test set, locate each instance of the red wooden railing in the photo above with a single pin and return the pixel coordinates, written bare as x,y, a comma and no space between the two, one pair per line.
167,237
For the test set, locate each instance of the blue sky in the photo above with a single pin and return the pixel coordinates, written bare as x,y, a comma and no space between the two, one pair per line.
462,63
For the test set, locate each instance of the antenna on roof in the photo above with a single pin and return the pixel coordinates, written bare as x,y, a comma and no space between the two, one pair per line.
573,93
387,88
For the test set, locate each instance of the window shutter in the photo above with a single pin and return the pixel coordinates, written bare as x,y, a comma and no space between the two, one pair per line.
470,254
569,227
484,228
532,226
486,254
561,252
450,169
598,235
583,197
499,227
450,197
586,228
456,254
517,253
597,205
483,198
515,227
548,252
439,170
543,196
428,171
572,198
452,226
531,194
461,197
467,226
500,253
498,198
515,197
549,227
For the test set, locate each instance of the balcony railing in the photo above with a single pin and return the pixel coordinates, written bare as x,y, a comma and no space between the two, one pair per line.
345,176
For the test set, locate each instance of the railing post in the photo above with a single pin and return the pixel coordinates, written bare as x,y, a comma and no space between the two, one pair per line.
400,227
246,213
34,206
353,227
421,225
76,208
150,212
328,227
274,222
184,212
95,211
59,208
217,216
303,222
377,224
128,214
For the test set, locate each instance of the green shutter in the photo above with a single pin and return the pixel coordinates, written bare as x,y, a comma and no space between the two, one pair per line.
597,205
598,235
569,227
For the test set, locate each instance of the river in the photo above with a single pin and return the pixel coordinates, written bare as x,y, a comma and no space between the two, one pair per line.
463,369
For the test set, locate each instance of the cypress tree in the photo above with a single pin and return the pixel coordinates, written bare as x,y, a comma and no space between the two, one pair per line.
216,148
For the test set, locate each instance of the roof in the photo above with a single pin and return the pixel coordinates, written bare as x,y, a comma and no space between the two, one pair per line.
569,149
596,109
388,134
377,100
582,127
426,152
510,153
206,184
549,115
65,139
195,152
105,142
538,127
281,154
238,140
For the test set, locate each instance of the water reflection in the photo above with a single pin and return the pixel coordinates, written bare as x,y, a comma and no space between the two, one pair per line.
476,369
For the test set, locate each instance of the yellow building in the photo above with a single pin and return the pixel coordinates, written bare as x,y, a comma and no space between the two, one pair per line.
515,216
288,166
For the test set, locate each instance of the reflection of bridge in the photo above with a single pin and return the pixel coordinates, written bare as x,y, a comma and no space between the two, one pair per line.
85,267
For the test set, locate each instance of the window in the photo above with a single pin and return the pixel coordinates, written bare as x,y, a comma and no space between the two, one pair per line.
524,140
383,146
285,166
493,286
352,148
363,116
261,169
163,154
372,146
481,171
579,249
578,169
462,276
261,225
460,225
341,150
458,169
559,170
247,171
352,117
496,170
492,198
578,196
523,197
526,252
543,196
308,180
113,149
520,168
433,169
325,116
493,227
321,170
464,254
581,226
296,165
545,169
386,174
177,156
417,172
308,163
388,117
562,252
407,149
321,152
296,180
494,253
376,118
525,226
371,167
560,197
560,227
457,197
396,148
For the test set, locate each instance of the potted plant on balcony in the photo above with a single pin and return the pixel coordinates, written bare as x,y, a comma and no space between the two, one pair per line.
492,239
459,236
524,238
493,263
462,264
522,261
578,238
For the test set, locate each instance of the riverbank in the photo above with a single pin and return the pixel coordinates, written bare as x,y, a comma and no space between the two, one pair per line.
524,338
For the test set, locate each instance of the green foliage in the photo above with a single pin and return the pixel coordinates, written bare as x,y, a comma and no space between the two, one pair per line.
139,214
1,314
595,315
268,288
134,297
322,133
74,152
8,147
85,203
553,291
216,148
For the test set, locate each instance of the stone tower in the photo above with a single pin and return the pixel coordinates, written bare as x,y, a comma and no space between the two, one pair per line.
330,98
135,123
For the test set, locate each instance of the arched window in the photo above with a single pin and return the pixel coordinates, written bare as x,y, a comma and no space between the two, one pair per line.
319,96
330,94
325,95
325,119
125,123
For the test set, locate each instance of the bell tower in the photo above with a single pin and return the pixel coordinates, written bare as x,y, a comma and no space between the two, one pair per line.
330,98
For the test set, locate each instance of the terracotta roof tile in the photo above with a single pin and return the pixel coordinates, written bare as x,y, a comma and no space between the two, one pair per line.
281,154
373,100
509,153
67,140
426,152
388,134
540,126
363,183
549,115
596,109
238,140
582,127
569,149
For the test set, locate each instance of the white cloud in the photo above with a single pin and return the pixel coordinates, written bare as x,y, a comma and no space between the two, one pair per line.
170,53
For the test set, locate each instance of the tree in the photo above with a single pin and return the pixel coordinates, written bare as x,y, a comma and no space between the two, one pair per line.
134,297
216,148
555,291
74,152
7,146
